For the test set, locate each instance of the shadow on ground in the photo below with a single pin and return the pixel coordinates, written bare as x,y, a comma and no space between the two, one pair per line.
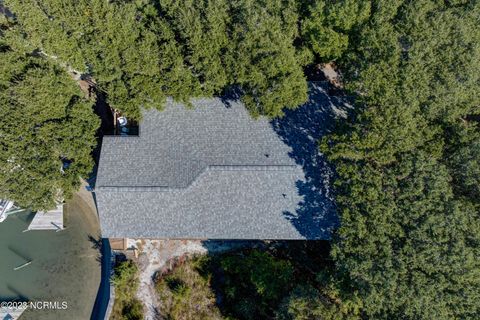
301,129
251,280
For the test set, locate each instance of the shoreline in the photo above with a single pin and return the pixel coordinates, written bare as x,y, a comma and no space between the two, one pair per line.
61,261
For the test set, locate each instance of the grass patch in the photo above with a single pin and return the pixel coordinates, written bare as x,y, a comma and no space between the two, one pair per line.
291,282
125,280
186,294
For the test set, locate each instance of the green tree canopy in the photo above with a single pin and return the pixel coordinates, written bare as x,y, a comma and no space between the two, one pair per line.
141,52
407,163
47,131
327,24
200,28
463,160
119,44
264,61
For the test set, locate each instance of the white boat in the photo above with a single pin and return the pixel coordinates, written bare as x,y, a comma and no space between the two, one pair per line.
5,206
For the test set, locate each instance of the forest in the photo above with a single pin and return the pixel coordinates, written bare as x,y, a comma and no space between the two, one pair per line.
407,183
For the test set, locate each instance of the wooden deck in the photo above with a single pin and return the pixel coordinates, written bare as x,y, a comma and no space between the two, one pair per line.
118,243
48,220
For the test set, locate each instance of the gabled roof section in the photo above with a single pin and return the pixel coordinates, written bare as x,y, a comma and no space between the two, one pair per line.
177,145
222,204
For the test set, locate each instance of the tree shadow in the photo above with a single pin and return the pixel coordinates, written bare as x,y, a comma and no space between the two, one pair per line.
301,129
231,94
20,254
96,243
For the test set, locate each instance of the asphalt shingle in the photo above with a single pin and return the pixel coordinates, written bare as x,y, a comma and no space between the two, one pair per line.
208,172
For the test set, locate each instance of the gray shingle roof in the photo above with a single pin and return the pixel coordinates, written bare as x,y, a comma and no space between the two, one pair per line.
221,204
177,144
209,172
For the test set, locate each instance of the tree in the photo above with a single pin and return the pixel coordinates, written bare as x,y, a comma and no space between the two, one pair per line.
250,46
141,52
406,163
406,243
306,302
463,160
264,61
125,279
326,26
121,45
201,30
47,131
254,282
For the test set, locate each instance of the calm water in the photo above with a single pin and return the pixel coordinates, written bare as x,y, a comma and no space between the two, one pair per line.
64,264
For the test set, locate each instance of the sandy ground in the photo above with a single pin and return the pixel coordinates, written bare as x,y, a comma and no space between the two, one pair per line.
155,255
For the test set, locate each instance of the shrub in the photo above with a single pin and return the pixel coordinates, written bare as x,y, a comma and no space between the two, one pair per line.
126,306
186,294
254,283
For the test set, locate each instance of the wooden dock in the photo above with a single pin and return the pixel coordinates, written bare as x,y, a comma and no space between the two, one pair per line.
48,220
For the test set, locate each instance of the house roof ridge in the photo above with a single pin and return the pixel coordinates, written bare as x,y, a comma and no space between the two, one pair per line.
267,167
248,167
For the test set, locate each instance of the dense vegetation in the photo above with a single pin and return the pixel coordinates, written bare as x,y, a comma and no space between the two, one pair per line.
46,137
184,293
125,280
141,52
408,162
273,283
